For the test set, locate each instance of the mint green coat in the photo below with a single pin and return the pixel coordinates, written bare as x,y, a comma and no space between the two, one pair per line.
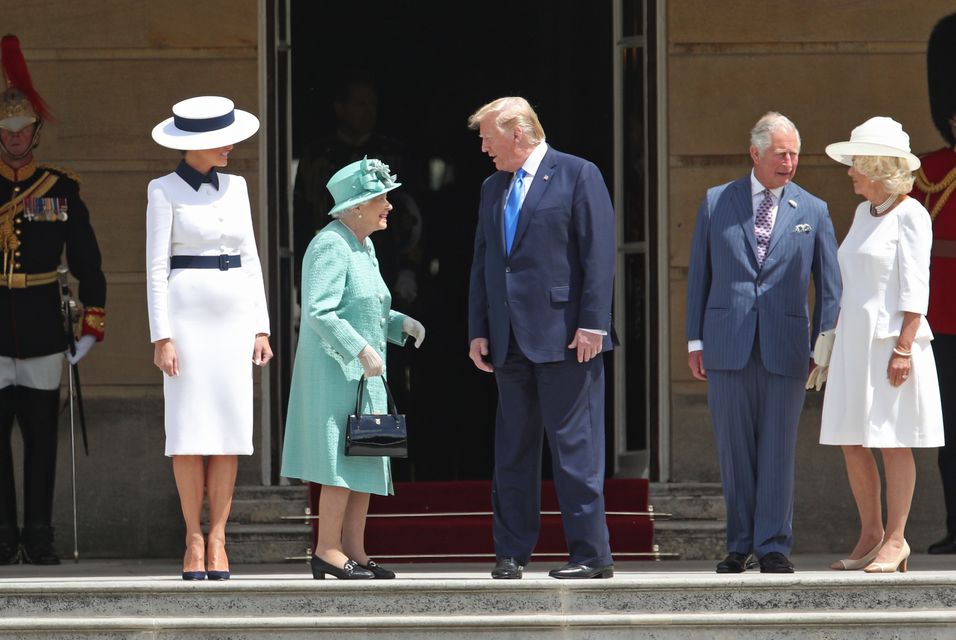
345,305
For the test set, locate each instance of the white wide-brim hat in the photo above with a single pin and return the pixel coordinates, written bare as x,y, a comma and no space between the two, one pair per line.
879,136
205,122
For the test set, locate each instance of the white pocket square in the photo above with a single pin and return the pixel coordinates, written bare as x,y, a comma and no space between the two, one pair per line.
802,228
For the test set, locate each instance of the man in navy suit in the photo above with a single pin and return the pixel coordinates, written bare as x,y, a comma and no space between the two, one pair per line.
756,244
540,317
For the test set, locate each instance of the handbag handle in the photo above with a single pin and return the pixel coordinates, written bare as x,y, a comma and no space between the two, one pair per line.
361,392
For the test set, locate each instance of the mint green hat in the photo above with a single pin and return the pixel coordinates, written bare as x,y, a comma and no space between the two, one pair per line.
358,182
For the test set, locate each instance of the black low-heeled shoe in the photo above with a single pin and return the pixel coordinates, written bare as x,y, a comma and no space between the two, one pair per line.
380,572
194,575
351,571
217,575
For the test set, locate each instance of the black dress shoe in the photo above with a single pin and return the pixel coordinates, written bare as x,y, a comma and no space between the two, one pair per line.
9,553
775,562
946,545
507,569
573,570
351,570
380,572
38,546
42,554
735,563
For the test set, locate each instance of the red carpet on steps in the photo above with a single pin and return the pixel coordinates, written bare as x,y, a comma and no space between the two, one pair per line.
451,521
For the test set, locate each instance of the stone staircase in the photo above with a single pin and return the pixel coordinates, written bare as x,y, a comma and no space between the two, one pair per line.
257,532
696,529
663,606
262,528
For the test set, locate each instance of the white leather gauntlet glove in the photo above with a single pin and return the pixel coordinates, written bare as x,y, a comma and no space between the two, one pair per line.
83,346
821,356
371,362
415,329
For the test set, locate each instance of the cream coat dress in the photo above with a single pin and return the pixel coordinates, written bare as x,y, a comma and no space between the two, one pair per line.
884,262
212,316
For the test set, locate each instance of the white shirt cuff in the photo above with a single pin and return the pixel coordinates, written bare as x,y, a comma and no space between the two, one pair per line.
695,345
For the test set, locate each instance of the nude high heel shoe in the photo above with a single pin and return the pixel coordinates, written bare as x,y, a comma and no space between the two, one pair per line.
849,564
891,567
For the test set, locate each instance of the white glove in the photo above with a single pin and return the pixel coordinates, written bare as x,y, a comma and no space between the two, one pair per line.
371,362
823,348
415,329
83,346
817,377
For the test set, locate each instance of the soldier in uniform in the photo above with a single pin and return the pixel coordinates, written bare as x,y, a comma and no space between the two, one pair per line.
934,187
41,214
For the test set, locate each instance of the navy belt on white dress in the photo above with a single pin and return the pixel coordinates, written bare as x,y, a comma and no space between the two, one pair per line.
221,262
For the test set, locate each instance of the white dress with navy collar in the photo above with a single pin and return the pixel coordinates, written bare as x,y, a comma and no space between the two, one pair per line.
212,316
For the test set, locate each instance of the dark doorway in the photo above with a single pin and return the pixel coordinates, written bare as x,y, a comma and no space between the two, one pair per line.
432,64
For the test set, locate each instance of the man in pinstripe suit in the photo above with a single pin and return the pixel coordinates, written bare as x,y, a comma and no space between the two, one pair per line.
756,243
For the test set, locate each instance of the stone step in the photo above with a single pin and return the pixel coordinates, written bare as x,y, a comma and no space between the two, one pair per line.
259,534
806,625
688,500
691,539
296,594
268,505
268,543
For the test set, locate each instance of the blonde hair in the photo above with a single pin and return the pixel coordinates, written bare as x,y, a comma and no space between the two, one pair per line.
512,113
891,172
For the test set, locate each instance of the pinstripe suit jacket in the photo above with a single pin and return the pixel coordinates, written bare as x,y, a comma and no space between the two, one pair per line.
729,296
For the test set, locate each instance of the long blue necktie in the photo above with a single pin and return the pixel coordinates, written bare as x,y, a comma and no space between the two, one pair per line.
512,207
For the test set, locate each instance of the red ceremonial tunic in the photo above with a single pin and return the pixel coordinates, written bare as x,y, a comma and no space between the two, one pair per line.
935,187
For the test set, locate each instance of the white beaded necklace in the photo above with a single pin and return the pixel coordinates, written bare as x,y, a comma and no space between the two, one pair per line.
881,209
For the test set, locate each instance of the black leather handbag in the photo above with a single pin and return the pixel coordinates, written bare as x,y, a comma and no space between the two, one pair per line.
370,434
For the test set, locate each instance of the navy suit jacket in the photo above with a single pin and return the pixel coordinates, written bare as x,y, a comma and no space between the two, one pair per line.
729,296
560,273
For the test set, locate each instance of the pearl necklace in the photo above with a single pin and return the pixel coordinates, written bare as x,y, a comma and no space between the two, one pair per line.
881,209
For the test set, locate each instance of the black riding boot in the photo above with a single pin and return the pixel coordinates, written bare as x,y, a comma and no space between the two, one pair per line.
38,413
9,533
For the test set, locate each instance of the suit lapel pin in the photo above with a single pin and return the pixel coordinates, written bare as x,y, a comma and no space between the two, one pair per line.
792,203
545,177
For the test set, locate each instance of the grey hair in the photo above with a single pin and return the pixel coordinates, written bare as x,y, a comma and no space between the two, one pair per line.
771,122
345,212
891,172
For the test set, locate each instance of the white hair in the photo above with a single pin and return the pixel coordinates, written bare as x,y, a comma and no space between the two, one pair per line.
771,122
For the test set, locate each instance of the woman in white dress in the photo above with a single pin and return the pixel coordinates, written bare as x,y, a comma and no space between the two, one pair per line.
882,390
207,316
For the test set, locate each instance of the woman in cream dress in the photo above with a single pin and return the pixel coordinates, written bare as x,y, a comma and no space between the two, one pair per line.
882,391
207,316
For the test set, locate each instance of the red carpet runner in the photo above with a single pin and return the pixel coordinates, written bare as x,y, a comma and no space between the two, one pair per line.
451,521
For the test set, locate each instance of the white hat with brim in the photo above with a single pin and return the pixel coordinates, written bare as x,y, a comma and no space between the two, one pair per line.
879,136
205,122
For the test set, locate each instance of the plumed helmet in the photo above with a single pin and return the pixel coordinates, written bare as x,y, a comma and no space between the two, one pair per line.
20,104
940,57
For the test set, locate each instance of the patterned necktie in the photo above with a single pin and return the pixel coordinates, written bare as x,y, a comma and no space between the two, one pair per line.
512,206
763,225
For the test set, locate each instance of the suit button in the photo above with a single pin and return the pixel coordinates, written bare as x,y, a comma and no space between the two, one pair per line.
507,269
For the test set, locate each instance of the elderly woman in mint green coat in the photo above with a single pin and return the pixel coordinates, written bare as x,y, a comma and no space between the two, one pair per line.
346,321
